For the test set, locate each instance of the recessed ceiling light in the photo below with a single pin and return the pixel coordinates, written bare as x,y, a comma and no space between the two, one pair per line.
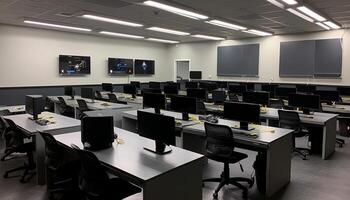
300,15
226,25
323,26
257,32
175,10
164,30
57,26
276,3
311,13
164,41
109,20
208,37
290,2
121,35
332,25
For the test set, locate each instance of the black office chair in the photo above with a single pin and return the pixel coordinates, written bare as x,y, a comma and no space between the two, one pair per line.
5,112
113,99
98,95
220,146
82,107
201,110
49,105
291,120
233,97
276,103
64,109
14,139
63,167
95,183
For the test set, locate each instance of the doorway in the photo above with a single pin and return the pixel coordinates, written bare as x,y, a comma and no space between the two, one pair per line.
182,70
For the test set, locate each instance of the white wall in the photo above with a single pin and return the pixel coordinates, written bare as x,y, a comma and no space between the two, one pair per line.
29,57
203,57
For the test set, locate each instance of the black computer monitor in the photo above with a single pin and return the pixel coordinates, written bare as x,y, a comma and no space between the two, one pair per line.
178,85
108,87
304,88
171,89
185,105
197,93
262,98
222,84
195,75
242,112
154,85
283,92
88,93
68,91
35,104
191,85
344,91
159,128
130,89
209,86
154,100
305,101
237,89
219,96
148,90
97,132
269,88
137,84
328,96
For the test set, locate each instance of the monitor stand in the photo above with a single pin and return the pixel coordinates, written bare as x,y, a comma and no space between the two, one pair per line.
157,110
244,126
133,96
185,117
160,148
306,111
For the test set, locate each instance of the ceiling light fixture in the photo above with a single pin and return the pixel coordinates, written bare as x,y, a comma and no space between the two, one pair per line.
57,26
276,3
175,10
311,13
163,41
323,26
121,35
208,37
226,25
109,20
332,25
290,2
170,31
257,32
300,15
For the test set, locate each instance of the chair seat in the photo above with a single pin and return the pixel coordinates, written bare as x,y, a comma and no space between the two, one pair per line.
120,189
233,158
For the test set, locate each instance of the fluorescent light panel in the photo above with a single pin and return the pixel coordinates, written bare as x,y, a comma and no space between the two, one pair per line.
121,35
170,31
109,20
332,25
311,13
226,25
57,26
163,41
323,26
175,10
276,3
290,2
300,15
207,37
257,32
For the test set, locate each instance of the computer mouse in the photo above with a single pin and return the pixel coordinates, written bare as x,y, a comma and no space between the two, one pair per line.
115,136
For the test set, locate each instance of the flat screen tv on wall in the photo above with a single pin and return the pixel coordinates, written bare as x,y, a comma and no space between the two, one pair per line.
120,66
144,67
74,65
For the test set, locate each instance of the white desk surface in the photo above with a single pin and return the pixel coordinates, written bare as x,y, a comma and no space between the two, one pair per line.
60,122
131,158
14,109
339,109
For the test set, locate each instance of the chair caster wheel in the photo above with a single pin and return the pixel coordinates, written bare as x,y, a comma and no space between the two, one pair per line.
215,196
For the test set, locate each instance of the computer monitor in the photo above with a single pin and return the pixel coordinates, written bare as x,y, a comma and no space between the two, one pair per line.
197,93
88,93
209,86
309,89
237,89
269,88
108,87
35,104
242,112
185,105
97,132
137,84
130,89
283,92
178,85
222,84
219,96
148,90
344,91
328,96
68,91
154,100
154,85
160,128
171,89
191,85
262,98
195,75
305,101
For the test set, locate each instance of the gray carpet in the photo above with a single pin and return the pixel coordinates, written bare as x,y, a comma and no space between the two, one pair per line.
311,179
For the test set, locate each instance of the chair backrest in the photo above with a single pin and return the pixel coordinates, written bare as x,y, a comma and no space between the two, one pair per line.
98,94
276,103
82,105
5,112
54,151
112,97
233,97
3,126
62,101
219,140
289,119
201,110
13,136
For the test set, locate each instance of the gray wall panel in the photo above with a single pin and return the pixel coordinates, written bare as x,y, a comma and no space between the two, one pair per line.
328,58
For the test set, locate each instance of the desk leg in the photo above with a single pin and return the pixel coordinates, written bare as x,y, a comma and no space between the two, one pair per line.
329,138
129,124
56,108
76,113
183,183
40,159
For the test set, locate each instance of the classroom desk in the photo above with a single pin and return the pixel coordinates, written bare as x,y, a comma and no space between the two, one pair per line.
340,109
124,97
173,176
19,109
61,125
327,121
275,143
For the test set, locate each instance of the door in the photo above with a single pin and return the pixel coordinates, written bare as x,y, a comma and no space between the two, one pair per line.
182,70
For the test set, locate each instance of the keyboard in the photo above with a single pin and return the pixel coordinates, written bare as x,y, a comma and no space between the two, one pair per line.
42,122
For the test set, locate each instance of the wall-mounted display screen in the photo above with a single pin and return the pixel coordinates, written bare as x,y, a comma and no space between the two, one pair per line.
144,67
74,65
120,66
